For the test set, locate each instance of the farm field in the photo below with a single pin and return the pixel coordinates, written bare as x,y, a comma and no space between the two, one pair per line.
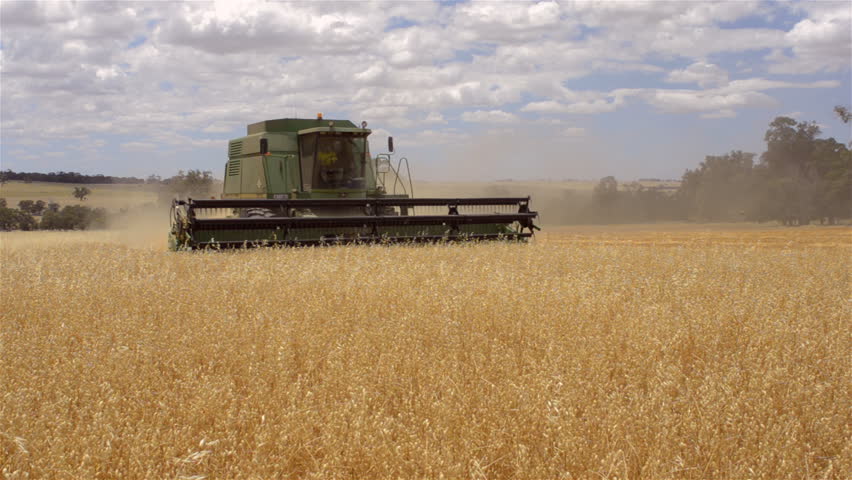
109,196
664,351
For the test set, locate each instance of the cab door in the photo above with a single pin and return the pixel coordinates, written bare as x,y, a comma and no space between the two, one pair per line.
307,151
253,179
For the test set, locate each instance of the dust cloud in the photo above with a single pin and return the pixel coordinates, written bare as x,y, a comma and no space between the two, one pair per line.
523,153
147,225
557,203
142,227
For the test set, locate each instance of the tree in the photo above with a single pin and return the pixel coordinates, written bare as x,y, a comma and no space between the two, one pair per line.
81,192
26,222
8,219
605,199
5,176
74,217
11,219
833,166
52,207
803,177
789,146
2,202
720,188
606,191
32,207
53,220
26,206
193,183
657,204
844,113
791,176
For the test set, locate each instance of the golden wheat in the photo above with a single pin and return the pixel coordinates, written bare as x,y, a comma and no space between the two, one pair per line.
610,355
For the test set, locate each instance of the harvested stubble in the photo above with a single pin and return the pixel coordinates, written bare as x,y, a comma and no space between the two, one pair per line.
549,360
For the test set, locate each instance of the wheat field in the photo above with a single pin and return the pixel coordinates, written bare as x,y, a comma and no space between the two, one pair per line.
599,354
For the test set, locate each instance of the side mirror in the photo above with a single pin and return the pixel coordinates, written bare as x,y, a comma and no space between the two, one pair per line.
383,164
390,144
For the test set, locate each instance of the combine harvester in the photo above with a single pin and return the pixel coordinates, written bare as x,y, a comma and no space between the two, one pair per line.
299,181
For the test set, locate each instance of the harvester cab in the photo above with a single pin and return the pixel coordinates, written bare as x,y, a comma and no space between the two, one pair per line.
299,181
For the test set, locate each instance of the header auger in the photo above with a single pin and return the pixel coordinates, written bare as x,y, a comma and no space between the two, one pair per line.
312,182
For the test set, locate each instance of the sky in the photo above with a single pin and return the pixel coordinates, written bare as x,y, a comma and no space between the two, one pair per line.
469,90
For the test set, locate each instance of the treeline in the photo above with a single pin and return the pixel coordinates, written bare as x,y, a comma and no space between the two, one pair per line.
799,179
193,178
65,177
52,217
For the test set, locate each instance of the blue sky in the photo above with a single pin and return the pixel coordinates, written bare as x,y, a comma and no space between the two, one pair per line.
469,90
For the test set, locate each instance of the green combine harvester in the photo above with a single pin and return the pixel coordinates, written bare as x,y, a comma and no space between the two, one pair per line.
298,181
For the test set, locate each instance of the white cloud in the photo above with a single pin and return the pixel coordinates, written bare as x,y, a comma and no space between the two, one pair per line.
574,132
723,102
138,146
766,84
434,118
702,73
724,113
508,21
821,42
716,102
220,127
686,101
491,116
430,138
587,102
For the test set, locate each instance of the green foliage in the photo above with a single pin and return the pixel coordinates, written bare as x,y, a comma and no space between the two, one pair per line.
2,202
789,147
844,113
12,219
800,178
720,188
190,184
193,183
804,178
81,192
25,205
8,219
632,202
74,217
606,191
32,207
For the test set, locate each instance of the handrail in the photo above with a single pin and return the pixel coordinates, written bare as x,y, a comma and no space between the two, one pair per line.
398,178
397,175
